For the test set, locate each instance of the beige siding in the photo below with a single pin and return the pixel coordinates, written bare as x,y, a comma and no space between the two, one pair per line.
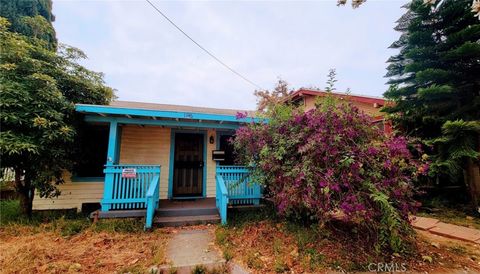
211,165
139,145
73,195
149,146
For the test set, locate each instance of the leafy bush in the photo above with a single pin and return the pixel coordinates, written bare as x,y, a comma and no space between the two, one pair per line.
329,162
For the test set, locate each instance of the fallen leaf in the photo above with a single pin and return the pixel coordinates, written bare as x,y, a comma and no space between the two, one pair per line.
427,259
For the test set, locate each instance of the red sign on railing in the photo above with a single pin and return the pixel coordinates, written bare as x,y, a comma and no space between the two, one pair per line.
129,173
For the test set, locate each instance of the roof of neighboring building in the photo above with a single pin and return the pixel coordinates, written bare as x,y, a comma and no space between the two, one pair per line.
353,97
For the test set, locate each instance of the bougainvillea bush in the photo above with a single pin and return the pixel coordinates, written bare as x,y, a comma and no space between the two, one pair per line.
331,162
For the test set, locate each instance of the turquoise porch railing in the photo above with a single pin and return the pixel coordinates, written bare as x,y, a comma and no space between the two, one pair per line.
234,187
153,197
123,193
221,198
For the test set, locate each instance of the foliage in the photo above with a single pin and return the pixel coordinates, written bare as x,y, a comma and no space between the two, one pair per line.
266,99
331,80
475,7
355,3
39,90
458,140
434,83
32,18
67,223
328,160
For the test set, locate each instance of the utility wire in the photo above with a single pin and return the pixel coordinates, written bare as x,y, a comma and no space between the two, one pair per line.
204,49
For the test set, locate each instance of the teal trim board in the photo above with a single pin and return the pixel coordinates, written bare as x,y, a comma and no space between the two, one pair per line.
98,109
169,123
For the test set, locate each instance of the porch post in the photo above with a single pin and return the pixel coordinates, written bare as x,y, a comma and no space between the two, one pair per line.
112,158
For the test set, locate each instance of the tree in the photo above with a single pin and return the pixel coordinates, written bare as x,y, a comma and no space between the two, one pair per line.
355,3
435,85
475,4
39,88
267,99
32,18
331,80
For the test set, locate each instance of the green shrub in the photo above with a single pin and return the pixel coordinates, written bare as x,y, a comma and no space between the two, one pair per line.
280,265
227,254
9,211
199,269
119,225
253,260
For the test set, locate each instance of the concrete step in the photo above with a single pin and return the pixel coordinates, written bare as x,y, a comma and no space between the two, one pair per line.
131,213
163,221
176,212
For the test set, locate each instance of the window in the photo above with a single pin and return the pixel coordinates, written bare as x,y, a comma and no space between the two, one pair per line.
227,146
91,148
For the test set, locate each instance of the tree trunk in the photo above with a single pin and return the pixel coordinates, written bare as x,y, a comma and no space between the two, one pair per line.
25,191
473,181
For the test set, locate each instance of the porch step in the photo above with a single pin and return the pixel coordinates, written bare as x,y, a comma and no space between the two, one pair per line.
132,213
177,212
163,221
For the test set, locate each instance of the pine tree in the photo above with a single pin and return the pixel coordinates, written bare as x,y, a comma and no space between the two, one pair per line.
434,80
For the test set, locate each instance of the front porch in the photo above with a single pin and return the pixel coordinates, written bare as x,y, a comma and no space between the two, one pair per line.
158,154
138,197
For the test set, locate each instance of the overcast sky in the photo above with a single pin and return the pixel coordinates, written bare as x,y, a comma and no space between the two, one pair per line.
146,59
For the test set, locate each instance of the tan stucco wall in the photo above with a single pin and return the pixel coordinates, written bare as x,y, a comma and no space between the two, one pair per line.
138,145
369,109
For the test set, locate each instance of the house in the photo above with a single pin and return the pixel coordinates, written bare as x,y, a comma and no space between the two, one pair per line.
143,156
368,104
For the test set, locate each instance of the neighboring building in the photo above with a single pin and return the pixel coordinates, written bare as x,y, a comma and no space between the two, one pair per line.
140,153
368,104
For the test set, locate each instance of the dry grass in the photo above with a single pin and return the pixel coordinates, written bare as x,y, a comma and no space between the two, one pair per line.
269,247
27,249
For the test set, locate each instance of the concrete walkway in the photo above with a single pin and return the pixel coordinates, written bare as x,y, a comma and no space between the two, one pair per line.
447,230
192,248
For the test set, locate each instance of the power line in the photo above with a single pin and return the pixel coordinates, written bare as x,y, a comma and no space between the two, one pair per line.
201,47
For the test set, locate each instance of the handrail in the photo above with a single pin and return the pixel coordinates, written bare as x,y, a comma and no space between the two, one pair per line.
151,200
221,198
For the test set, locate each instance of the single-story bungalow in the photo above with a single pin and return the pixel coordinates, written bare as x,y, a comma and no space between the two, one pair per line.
168,163
142,156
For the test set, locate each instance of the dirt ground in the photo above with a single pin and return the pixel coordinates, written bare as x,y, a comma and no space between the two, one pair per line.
266,248
23,250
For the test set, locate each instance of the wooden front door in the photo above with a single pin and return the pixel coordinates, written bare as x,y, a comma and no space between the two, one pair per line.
188,165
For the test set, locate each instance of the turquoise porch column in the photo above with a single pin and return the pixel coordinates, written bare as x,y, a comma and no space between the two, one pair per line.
112,158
